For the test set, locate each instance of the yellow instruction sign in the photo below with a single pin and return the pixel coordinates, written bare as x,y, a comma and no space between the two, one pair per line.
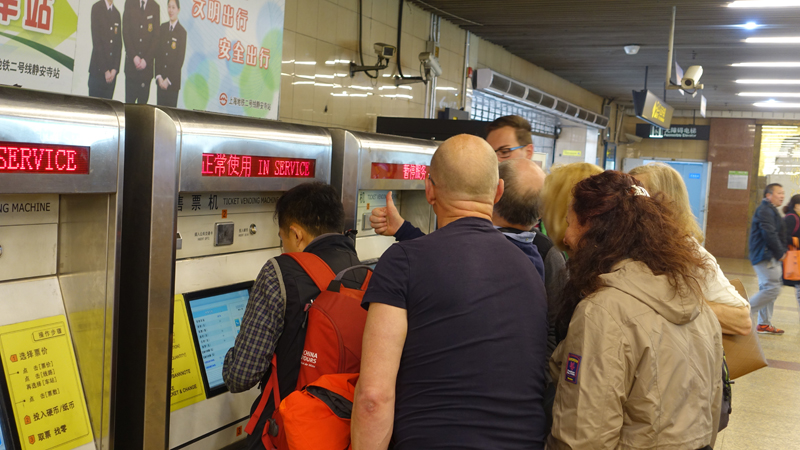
44,385
187,382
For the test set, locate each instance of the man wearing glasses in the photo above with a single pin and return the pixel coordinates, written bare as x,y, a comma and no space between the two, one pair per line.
510,137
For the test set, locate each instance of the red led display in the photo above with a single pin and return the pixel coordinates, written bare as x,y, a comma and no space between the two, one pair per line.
385,171
17,157
245,166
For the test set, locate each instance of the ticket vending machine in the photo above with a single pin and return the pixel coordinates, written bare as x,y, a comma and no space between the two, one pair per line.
60,205
365,167
203,190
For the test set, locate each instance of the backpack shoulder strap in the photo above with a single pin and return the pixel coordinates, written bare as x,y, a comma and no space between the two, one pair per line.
272,384
796,223
315,267
336,284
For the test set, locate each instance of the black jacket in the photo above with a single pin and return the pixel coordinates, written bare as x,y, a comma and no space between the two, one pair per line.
140,33
171,53
106,39
767,234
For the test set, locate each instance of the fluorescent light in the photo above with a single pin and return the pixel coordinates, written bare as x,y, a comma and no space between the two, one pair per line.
750,26
769,94
363,88
767,64
303,82
764,4
446,88
306,63
752,81
772,40
774,104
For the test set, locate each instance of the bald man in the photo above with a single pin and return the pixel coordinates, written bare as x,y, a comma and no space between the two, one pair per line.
455,341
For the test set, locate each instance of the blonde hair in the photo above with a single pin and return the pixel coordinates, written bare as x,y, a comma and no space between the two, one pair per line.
557,195
659,177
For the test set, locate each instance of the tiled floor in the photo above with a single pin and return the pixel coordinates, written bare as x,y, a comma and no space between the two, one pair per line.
766,403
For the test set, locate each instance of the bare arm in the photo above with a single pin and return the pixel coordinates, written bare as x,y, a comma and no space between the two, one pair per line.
373,406
732,320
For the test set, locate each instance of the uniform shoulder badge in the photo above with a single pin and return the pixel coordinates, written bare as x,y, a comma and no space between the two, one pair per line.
573,365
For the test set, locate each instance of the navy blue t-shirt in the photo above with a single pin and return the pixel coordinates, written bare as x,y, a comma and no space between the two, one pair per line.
472,369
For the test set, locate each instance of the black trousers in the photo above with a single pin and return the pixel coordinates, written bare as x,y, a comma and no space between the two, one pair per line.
137,91
167,97
99,88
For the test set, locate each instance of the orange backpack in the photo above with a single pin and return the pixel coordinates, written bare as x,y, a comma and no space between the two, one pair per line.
328,368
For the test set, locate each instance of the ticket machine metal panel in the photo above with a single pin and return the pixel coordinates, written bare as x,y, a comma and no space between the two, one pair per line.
60,209
403,168
200,222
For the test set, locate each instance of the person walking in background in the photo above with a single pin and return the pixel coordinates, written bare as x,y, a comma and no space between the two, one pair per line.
641,361
791,220
767,249
106,49
169,57
140,33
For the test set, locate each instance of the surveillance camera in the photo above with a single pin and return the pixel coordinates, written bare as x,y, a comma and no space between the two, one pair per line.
691,78
431,63
384,51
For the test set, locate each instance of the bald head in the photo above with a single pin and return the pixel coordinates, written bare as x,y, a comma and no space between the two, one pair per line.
464,168
519,204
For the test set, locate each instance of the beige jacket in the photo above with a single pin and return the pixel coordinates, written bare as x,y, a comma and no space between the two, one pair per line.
640,368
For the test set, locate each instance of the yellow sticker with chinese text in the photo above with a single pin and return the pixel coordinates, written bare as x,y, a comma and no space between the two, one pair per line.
187,382
44,385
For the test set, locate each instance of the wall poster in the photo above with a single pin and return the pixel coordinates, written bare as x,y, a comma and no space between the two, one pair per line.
212,55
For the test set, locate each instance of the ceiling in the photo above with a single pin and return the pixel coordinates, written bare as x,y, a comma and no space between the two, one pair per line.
582,41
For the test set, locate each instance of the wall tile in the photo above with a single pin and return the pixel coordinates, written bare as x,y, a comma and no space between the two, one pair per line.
379,8
328,13
392,8
346,29
352,5
307,21
290,15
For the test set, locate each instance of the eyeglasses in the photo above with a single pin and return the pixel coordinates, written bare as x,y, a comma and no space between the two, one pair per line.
505,152
431,178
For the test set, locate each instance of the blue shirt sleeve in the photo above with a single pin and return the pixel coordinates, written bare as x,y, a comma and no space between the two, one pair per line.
389,282
407,232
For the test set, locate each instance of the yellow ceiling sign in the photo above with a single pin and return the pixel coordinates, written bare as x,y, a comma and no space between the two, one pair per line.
44,385
187,382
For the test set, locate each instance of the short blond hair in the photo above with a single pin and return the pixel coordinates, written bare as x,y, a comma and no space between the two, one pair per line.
557,195
661,178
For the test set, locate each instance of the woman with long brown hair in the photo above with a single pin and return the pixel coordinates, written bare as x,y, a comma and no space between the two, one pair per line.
640,363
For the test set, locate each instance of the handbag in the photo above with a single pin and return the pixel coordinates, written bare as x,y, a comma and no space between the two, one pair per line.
791,263
743,353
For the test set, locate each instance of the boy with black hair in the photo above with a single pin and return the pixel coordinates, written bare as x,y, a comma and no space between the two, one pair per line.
310,219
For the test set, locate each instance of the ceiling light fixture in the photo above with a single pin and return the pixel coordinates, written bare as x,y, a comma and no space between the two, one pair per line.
769,94
774,104
767,64
773,40
764,4
768,81
750,26
631,49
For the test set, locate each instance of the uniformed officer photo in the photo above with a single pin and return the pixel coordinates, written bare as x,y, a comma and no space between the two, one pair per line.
169,57
140,32
106,49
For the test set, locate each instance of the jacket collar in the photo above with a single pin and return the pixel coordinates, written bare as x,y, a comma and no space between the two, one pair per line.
330,240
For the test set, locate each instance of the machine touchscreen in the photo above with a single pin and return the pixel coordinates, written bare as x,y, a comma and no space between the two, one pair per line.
215,316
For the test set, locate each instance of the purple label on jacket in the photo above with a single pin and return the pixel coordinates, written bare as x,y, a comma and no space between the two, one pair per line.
573,365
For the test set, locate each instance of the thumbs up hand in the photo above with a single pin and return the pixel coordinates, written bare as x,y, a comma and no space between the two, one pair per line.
386,220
